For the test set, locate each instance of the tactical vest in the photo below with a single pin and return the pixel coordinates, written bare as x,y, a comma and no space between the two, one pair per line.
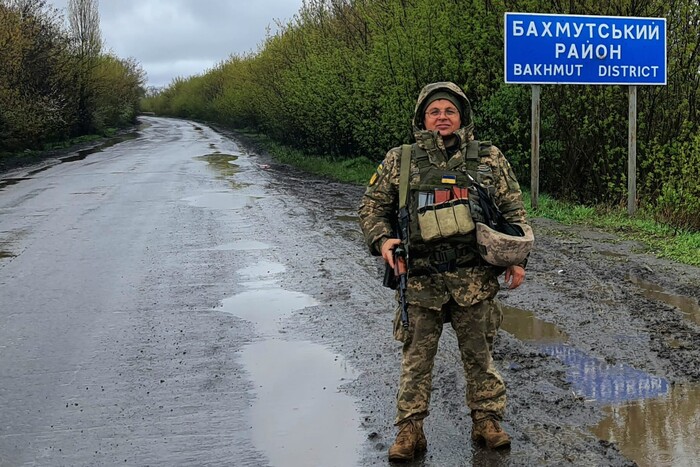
454,198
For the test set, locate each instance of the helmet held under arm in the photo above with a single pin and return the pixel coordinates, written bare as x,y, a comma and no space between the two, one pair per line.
500,249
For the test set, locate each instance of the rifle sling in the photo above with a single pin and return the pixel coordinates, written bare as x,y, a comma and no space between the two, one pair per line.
404,174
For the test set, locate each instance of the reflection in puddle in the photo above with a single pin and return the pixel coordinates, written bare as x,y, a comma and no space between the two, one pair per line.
220,200
657,432
523,325
688,305
299,418
652,422
603,382
223,164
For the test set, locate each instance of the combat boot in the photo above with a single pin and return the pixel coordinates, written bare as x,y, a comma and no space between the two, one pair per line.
490,432
409,441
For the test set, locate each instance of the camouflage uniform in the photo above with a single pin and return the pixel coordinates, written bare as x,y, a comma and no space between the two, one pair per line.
464,296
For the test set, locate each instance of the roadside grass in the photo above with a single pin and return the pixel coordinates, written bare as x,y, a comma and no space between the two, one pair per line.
662,240
357,170
659,239
27,153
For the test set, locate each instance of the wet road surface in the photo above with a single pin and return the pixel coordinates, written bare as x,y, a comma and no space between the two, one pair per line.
131,279
177,298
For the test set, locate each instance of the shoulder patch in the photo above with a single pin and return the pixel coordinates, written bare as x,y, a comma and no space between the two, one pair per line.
376,174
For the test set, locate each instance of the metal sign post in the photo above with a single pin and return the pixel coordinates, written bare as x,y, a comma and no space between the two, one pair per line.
578,49
535,146
632,153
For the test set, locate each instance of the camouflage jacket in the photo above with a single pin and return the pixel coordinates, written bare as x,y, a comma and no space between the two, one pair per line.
379,206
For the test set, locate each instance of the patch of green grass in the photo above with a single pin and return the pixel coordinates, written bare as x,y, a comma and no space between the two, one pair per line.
662,240
357,170
659,239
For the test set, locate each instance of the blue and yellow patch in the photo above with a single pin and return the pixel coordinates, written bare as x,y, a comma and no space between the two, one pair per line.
449,179
376,174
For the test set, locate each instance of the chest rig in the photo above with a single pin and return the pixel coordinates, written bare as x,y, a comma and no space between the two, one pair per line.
428,194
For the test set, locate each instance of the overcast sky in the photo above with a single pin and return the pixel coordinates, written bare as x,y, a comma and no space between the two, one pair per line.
172,38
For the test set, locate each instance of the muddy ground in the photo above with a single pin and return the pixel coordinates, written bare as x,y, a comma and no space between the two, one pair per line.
598,325
590,285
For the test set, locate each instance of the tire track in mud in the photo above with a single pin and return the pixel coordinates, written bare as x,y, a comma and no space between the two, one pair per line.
639,331
546,419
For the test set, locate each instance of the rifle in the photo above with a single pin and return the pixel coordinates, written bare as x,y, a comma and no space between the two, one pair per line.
391,279
398,277
400,272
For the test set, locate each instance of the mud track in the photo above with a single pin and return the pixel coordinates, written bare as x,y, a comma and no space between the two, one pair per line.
584,282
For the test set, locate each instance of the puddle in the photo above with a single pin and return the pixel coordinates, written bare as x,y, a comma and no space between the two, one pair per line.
688,305
5,182
38,170
266,307
242,245
224,166
299,418
220,200
523,325
657,432
80,155
652,422
594,379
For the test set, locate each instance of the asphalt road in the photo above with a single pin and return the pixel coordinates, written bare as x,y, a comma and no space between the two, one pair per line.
115,344
174,297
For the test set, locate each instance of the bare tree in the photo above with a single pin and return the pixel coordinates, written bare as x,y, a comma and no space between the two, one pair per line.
84,22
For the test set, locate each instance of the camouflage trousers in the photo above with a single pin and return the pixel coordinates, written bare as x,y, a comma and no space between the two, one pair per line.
475,327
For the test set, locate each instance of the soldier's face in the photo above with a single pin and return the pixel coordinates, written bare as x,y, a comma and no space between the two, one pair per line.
442,116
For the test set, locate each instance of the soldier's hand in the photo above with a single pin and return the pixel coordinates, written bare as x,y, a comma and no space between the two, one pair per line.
388,250
515,275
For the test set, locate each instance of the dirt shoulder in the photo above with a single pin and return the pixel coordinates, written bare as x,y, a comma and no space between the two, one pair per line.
592,286
19,163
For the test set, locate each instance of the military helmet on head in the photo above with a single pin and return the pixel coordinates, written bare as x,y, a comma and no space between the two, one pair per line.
500,249
446,90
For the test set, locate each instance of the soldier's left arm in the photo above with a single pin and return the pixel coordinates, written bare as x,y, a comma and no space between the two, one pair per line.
509,197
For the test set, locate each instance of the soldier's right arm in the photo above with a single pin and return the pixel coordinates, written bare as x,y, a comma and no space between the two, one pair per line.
379,204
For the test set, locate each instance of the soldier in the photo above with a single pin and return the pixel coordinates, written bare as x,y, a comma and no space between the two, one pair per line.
454,258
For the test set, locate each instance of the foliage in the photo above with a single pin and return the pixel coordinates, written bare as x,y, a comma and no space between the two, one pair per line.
340,80
49,90
674,181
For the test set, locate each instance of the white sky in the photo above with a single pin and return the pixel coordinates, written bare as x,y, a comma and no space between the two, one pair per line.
172,38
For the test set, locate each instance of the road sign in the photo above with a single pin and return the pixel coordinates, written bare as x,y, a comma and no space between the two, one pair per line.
577,49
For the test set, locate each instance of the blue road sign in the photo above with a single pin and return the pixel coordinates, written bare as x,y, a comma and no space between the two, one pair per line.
576,49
